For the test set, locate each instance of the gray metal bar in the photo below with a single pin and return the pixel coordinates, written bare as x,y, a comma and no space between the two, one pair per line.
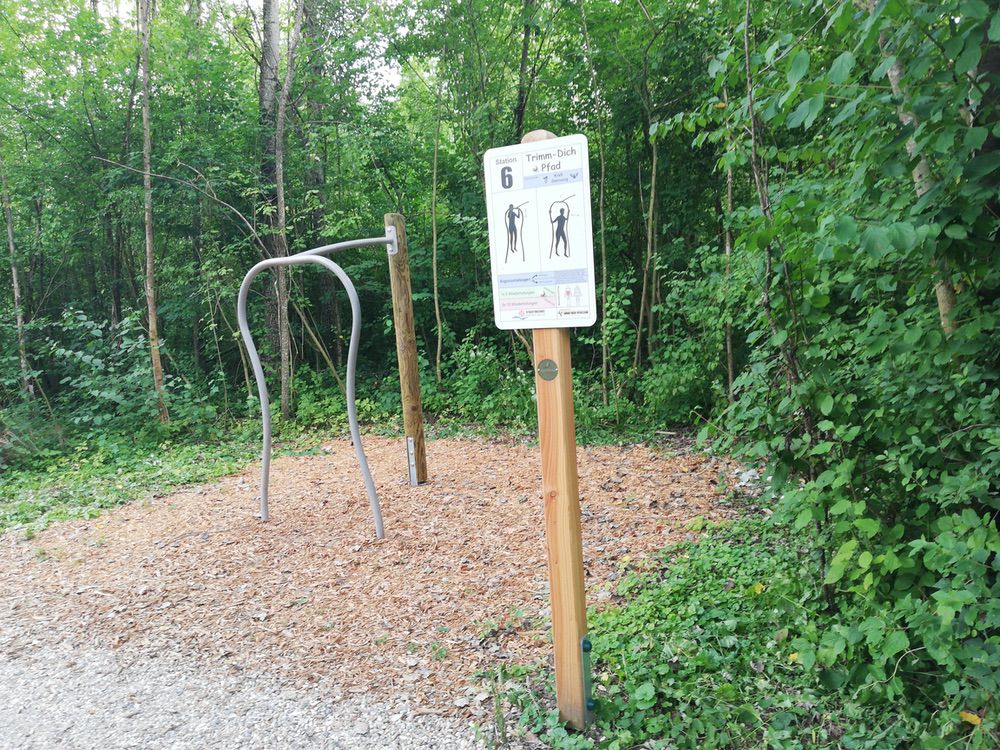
390,242
311,256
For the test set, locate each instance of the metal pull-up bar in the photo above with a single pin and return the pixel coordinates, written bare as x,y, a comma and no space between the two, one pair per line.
399,276
352,359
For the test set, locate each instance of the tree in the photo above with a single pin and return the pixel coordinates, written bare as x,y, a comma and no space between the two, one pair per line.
22,351
145,23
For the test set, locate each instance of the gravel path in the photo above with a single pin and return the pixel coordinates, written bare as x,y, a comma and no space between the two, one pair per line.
54,696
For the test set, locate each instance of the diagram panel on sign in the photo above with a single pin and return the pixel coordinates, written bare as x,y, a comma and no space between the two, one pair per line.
541,237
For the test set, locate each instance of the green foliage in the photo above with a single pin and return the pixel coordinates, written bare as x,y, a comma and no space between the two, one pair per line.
879,425
484,388
106,470
726,643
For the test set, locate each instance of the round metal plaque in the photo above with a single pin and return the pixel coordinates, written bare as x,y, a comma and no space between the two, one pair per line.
547,369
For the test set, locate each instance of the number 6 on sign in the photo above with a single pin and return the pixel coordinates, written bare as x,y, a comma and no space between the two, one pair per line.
506,179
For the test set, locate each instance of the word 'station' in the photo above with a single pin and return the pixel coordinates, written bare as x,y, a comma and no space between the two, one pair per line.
541,236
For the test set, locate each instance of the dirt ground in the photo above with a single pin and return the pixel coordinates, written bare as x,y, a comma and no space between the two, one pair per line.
459,583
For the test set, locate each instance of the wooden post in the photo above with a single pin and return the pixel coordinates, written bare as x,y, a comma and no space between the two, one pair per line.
560,488
406,347
561,494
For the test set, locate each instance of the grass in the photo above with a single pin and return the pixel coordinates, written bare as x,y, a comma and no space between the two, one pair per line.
95,473
92,476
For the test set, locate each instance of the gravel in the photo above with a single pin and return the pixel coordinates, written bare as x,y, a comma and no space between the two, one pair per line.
53,695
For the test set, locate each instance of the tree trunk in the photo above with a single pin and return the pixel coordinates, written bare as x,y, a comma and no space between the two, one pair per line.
727,234
434,245
196,347
22,350
281,240
944,289
650,229
267,95
34,260
116,271
145,20
599,109
522,74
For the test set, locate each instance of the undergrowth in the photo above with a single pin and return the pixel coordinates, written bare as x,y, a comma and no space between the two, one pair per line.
719,644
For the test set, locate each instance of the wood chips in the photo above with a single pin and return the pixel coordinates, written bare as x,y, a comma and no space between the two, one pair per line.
459,584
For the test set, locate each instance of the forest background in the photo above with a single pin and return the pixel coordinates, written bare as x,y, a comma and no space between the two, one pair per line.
795,210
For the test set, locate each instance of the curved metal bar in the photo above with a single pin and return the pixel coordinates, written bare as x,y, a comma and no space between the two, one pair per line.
352,359
327,249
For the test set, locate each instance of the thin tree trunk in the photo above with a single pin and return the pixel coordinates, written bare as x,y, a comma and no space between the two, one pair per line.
944,289
22,350
599,108
267,95
196,347
116,272
284,334
522,74
145,20
649,260
728,244
434,246
33,256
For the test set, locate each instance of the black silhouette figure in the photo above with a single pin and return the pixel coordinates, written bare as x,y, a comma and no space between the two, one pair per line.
559,229
514,218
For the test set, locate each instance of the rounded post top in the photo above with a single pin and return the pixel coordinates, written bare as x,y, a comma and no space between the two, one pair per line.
538,135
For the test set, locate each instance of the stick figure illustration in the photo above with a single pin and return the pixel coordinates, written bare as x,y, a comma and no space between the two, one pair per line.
559,227
514,219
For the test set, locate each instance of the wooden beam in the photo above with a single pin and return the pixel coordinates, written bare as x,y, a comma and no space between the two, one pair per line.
561,494
406,346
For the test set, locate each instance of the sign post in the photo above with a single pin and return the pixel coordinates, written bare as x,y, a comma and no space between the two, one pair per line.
542,258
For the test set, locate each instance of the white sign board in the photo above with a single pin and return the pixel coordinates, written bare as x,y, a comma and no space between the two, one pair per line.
541,236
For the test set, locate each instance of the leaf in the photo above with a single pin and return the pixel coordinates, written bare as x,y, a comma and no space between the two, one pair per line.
975,138
798,67
835,572
875,241
825,404
956,231
994,32
982,165
903,236
799,115
896,642
867,526
815,107
840,507
969,57
645,695
883,67
976,9
846,550
803,519
842,67
846,229
970,718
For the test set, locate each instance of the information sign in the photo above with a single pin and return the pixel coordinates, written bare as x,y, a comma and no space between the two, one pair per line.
541,236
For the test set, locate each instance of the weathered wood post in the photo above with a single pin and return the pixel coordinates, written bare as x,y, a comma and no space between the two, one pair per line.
406,351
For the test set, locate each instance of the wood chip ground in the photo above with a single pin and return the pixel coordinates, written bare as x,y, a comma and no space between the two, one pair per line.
458,585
